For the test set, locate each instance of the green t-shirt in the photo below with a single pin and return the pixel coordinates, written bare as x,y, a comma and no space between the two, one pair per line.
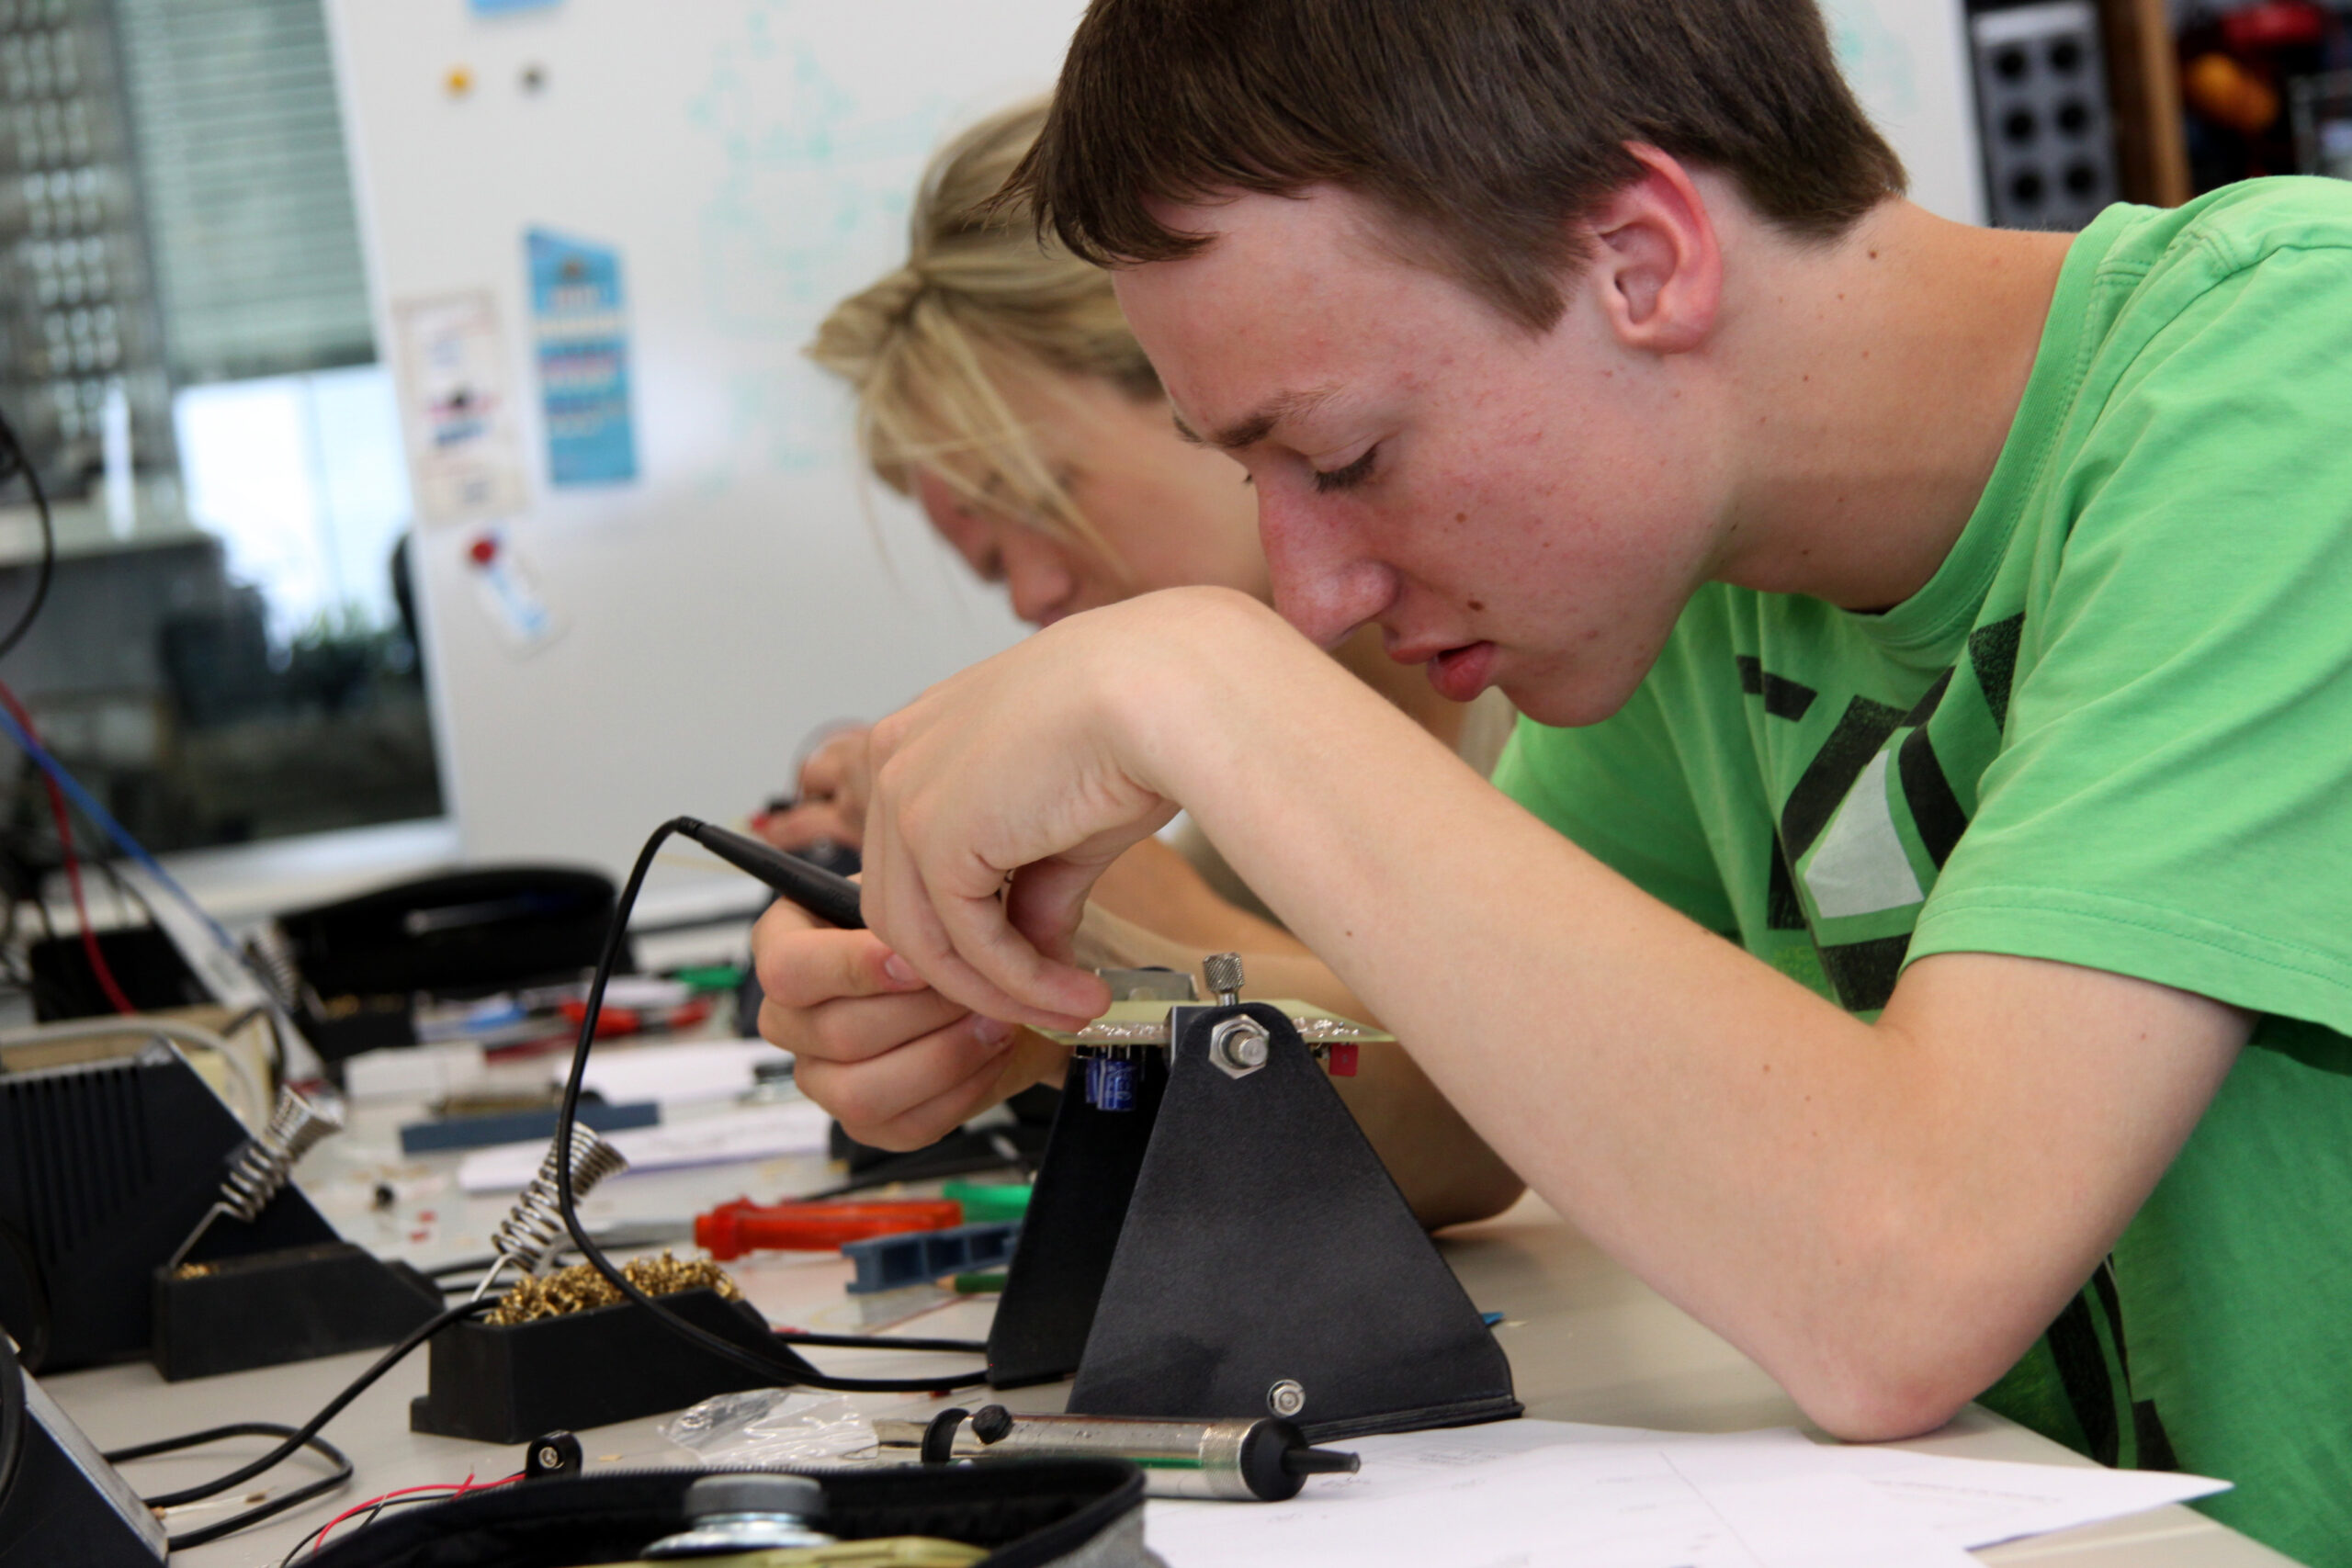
2114,729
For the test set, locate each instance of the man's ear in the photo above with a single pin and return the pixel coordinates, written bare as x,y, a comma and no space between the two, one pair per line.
1655,268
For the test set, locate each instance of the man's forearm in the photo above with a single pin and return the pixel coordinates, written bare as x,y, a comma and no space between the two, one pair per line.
1867,1211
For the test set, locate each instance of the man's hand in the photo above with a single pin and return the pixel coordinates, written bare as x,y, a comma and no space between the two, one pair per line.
996,806
835,784
896,1062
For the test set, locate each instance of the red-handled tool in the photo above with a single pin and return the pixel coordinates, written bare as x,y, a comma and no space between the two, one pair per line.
733,1229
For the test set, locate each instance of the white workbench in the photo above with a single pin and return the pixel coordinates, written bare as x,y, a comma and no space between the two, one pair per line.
1586,1341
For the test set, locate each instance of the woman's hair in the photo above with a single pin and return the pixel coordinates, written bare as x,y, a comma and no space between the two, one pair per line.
980,298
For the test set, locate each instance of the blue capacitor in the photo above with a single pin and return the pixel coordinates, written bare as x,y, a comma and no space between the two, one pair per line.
1116,1089
1094,1081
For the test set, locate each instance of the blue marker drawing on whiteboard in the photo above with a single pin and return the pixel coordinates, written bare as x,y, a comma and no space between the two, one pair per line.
582,344
508,592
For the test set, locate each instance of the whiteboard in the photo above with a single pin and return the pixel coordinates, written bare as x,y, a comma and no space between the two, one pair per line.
1907,62
750,160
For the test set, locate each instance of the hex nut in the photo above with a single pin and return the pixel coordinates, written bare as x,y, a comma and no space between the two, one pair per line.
1286,1398
1240,1046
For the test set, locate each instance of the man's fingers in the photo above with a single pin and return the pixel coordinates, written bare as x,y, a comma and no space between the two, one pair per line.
1045,994
901,905
897,905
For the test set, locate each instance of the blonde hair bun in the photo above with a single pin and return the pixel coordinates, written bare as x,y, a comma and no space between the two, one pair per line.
980,297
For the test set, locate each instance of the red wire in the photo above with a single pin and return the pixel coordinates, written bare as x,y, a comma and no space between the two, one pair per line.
459,1490
114,994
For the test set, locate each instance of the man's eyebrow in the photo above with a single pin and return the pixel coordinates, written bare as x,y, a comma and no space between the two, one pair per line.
1248,432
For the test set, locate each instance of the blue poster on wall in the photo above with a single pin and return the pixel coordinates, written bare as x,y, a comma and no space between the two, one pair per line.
581,335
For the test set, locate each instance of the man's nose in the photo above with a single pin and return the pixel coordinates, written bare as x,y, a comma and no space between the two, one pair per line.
1325,584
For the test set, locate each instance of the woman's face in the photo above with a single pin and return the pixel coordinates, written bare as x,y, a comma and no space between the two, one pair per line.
1174,515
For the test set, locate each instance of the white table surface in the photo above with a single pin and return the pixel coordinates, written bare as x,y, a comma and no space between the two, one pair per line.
1586,1342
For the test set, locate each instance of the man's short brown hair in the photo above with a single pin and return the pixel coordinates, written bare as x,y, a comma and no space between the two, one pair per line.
1485,128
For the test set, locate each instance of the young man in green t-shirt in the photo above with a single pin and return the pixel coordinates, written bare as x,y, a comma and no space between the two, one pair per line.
1959,620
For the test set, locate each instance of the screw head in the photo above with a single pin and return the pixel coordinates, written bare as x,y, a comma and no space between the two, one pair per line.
1286,1398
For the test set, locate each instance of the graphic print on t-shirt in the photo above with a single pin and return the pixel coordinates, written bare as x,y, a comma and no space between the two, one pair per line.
1876,812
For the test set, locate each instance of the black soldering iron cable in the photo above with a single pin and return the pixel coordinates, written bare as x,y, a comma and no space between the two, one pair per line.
15,460
298,1438
777,1362
273,1507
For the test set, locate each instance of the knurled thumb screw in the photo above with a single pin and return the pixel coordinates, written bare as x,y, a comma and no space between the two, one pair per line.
1223,971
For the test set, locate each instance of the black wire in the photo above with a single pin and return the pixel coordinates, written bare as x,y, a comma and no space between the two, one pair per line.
13,460
883,1342
369,1519
33,1345
15,1416
295,1438
770,1364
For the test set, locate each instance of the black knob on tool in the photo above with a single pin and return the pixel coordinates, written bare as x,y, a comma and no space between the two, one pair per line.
1276,1461
1322,1462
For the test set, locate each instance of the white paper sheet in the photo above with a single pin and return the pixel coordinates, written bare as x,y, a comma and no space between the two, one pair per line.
673,1074
761,1131
1601,1504
1985,1502
1531,1494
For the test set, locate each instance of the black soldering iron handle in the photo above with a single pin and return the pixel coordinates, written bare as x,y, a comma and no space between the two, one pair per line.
833,899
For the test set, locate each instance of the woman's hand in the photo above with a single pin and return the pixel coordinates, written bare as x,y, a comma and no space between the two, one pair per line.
836,782
897,1063
999,796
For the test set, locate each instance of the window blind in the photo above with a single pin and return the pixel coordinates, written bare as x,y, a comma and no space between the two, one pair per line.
248,197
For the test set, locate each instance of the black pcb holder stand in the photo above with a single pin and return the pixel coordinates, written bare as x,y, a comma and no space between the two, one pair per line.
1232,1246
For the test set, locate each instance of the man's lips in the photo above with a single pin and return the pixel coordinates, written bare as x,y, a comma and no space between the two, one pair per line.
1461,673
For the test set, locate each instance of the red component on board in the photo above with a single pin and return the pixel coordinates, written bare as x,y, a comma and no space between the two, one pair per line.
1343,1061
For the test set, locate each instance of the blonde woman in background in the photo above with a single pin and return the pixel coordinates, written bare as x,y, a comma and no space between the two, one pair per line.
999,386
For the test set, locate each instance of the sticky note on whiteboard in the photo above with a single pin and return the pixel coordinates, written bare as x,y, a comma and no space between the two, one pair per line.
580,332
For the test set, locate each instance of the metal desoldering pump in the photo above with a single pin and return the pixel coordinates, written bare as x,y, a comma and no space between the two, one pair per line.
1264,1460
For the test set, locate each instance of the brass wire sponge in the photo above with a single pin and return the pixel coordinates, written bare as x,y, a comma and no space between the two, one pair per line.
581,1288
530,1228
